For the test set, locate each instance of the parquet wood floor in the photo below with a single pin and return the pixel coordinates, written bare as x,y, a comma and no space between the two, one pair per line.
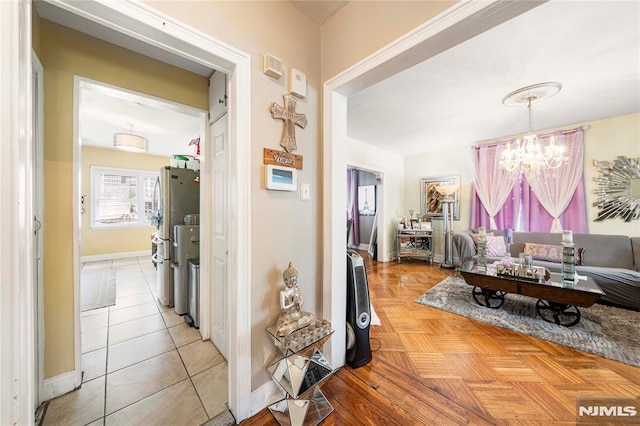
438,368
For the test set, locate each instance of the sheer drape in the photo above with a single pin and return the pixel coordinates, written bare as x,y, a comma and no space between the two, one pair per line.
554,188
492,184
352,207
524,211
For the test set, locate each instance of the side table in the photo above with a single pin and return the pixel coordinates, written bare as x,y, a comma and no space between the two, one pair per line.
415,243
299,373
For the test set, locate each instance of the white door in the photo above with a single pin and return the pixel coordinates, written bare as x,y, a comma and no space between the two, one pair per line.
220,237
38,201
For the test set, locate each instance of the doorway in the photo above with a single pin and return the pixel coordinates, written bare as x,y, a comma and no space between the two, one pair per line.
138,22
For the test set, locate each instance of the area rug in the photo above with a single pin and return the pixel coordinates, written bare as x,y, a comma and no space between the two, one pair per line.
98,289
610,332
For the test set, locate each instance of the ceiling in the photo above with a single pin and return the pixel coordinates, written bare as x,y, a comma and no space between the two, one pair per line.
105,110
455,98
452,99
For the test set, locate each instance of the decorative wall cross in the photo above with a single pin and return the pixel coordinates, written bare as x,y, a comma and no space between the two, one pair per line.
291,119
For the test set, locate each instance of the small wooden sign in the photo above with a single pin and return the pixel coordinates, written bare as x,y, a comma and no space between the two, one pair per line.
282,158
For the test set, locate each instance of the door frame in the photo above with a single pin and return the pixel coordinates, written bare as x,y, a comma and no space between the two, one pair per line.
17,327
148,25
460,22
38,211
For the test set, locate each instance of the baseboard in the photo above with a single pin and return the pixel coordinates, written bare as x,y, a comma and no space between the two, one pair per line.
61,384
265,395
363,247
111,256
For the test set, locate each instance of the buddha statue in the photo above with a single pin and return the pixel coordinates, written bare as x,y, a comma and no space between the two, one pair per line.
292,317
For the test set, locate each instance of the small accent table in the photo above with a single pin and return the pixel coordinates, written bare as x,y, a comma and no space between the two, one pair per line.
557,303
415,243
299,372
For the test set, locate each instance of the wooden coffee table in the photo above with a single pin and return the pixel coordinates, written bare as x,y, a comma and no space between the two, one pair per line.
556,303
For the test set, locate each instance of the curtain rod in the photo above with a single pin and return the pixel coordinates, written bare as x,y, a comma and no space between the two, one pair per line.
510,138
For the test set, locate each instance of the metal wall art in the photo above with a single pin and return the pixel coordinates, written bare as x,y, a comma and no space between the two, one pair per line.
618,189
291,119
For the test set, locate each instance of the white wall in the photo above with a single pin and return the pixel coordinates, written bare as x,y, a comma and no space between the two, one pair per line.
445,162
368,157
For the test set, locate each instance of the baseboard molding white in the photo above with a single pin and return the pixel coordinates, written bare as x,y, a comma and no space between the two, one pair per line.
61,384
265,395
111,256
363,247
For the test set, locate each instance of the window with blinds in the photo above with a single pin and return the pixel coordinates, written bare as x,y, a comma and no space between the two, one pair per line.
121,197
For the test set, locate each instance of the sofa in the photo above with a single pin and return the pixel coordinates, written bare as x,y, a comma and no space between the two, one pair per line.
613,261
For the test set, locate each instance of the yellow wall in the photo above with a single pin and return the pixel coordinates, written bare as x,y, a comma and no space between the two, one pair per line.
64,53
97,241
362,27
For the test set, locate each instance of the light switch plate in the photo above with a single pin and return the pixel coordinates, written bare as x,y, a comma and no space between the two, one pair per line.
305,191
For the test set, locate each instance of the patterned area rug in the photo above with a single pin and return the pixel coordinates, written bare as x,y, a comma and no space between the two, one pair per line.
603,330
98,289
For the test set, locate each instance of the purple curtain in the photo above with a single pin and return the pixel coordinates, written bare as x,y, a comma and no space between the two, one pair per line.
523,211
507,216
352,207
535,218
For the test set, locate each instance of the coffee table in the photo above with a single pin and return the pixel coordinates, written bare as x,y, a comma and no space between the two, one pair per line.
557,303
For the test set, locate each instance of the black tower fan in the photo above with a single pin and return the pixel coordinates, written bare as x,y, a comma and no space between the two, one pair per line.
358,312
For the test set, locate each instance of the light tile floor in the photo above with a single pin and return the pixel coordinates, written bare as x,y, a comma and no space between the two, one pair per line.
143,365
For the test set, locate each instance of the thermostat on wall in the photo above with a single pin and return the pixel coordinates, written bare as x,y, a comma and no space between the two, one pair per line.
280,178
298,83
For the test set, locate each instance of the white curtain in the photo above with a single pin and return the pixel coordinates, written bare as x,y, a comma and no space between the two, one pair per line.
554,188
493,184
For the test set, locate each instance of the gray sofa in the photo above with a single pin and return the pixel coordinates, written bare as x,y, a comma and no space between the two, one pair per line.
613,261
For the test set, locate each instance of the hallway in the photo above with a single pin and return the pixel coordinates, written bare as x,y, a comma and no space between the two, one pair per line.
142,364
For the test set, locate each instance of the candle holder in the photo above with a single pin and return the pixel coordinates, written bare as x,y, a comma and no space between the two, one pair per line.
568,265
482,253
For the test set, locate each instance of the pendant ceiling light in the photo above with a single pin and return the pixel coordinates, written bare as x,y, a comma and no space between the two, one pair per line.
130,142
531,154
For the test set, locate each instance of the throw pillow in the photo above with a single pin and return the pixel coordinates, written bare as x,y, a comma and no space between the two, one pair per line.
476,237
495,246
550,253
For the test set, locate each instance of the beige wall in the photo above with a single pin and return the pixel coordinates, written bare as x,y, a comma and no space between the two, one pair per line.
64,53
284,228
604,140
101,241
363,27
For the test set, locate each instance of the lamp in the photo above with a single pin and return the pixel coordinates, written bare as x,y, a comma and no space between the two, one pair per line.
529,155
130,142
448,193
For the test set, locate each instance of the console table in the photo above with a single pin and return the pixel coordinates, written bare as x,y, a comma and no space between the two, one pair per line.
299,372
415,243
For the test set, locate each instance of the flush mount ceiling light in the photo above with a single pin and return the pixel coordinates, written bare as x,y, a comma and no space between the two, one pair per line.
531,154
130,142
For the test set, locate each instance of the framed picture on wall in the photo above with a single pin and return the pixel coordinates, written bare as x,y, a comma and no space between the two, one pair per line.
367,200
431,199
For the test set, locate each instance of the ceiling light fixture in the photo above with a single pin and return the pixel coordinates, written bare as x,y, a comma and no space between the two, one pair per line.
130,142
531,154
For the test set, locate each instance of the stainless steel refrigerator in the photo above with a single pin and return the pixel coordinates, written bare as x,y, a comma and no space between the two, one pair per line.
177,193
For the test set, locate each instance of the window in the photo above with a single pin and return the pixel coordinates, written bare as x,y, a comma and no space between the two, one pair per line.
121,197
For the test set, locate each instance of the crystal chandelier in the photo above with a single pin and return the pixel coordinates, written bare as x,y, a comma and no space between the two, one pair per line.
531,154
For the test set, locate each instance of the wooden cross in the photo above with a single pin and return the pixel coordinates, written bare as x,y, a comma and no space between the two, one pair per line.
291,118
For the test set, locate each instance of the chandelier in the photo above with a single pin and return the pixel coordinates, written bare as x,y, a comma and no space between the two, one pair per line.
532,153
